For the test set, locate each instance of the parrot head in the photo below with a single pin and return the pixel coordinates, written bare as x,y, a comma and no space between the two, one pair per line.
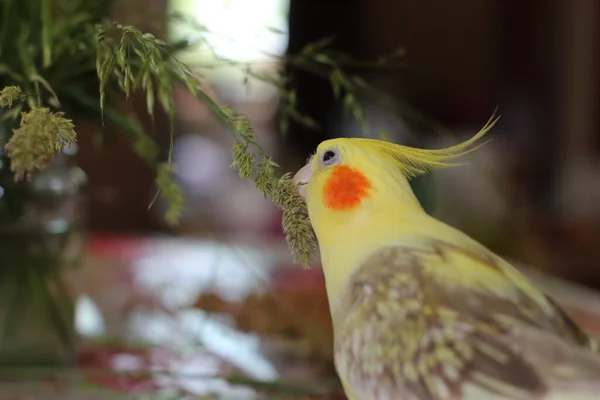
351,179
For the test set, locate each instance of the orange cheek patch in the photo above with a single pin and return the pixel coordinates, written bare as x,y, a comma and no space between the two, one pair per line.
345,188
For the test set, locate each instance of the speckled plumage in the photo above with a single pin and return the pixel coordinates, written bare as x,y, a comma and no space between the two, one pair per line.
410,330
422,311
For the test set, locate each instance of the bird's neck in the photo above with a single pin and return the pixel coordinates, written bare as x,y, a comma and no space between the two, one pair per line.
391,204
347,239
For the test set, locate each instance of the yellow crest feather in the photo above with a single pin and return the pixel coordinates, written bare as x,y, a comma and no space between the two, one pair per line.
415,162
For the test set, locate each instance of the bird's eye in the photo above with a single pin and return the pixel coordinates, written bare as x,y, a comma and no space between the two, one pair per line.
329,157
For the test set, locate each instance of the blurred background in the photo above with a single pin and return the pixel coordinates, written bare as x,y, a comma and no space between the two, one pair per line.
532,194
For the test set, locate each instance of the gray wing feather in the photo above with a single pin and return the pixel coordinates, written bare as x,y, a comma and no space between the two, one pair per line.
408,335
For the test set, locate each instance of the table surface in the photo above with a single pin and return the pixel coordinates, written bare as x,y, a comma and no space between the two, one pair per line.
142,293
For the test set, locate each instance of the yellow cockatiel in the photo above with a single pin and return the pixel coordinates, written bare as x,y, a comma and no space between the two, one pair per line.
420,310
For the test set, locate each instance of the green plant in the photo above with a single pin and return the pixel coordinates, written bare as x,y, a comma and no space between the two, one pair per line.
71,58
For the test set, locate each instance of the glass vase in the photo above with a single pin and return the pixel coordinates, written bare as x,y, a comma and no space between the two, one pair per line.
42,232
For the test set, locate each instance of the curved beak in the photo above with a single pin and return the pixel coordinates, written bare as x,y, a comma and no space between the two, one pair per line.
302,178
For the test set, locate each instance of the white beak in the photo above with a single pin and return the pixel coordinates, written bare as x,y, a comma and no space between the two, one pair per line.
302,178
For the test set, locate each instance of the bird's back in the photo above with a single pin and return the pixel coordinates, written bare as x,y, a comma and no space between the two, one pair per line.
427,318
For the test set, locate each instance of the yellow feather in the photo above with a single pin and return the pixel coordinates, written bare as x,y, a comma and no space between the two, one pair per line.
392,212
439,288
414,162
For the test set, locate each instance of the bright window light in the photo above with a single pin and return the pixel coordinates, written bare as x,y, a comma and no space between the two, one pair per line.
245,31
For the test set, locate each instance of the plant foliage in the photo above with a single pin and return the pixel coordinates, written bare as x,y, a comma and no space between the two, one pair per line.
61,56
